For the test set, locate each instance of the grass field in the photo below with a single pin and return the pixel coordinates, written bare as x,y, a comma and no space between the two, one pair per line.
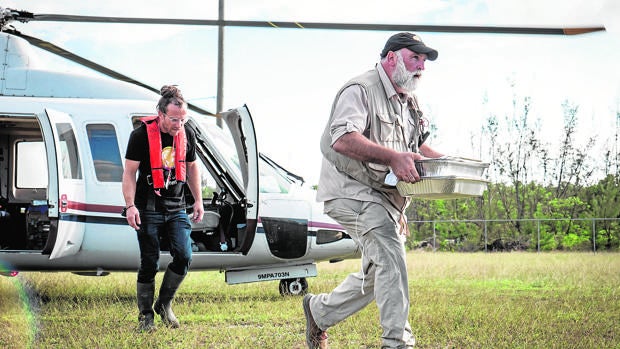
503,300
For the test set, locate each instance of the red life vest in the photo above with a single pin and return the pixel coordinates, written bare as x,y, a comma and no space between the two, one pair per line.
180,148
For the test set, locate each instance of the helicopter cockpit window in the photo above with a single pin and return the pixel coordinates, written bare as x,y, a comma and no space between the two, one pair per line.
207,183
105,152
222,139
271,180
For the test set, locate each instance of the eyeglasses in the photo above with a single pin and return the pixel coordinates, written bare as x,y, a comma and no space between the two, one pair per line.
176,120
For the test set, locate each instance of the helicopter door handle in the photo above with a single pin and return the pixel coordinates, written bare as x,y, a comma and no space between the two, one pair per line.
64,203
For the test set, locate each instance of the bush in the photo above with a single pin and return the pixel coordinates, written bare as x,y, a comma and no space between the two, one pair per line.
607,241
547,241
574,242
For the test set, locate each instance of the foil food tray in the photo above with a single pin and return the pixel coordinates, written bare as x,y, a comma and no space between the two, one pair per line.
451,166
443,187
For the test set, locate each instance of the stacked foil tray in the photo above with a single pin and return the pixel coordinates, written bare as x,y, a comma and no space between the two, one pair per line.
447,178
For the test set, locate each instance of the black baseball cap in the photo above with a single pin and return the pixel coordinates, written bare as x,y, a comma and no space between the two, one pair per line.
410,41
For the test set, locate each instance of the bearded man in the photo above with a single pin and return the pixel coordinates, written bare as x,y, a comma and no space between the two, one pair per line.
375,127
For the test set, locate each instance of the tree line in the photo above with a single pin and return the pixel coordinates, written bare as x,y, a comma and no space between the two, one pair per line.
542,194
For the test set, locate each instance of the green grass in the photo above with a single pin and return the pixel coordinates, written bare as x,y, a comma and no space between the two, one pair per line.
504,300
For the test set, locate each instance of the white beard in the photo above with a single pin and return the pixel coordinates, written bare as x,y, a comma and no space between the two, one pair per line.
404,78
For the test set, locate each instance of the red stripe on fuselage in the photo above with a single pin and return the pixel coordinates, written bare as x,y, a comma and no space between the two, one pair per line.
100,208
82,206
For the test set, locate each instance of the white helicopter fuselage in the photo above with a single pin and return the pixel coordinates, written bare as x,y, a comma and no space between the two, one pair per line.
63,138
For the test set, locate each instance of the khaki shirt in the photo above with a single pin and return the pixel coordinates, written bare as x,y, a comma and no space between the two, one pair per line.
351,114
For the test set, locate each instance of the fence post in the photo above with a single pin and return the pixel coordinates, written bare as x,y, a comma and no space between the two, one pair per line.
486,242
434,238
594,235
538,238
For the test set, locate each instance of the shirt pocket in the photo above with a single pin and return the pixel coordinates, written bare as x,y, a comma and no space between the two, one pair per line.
390,130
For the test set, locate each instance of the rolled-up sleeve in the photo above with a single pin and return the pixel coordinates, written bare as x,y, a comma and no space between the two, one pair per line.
350,112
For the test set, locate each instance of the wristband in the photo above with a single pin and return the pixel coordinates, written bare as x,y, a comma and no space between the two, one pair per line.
124,212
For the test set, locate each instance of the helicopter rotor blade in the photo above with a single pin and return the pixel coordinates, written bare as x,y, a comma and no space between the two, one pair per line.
48,46
319,25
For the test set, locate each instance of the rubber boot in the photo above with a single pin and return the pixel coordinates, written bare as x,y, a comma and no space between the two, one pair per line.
169,287
145,294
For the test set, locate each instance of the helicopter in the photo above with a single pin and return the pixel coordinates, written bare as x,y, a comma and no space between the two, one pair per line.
61,139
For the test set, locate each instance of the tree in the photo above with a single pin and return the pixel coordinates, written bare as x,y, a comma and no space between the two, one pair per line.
571,166
513,158
604,202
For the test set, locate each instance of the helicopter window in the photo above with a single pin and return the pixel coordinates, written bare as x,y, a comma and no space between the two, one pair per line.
272,181
105,152
136,120
207,183
31,166
71,168
221,138
325,236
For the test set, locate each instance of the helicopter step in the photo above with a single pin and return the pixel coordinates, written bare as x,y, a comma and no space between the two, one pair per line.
238,276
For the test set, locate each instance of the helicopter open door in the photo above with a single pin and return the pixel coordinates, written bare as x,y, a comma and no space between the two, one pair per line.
240,123
230,154
66,188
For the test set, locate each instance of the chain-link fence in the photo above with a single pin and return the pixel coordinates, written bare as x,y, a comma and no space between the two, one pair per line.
568,234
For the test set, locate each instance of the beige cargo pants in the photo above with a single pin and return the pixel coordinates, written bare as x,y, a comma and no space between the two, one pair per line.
383,277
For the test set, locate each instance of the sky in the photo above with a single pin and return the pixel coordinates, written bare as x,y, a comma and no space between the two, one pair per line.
288,77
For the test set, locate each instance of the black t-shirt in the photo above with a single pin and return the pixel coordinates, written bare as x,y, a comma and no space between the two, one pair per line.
171,199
